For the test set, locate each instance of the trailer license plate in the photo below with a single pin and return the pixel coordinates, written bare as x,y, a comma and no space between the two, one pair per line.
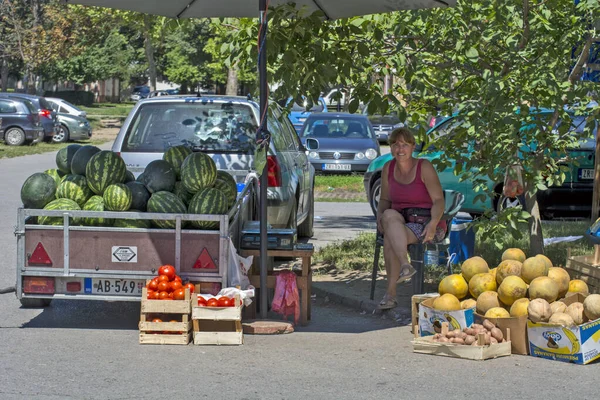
586,173
115,287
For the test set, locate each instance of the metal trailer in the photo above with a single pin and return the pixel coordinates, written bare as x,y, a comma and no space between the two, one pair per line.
106,263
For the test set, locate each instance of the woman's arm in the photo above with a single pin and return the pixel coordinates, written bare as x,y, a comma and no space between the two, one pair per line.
384,197
432,182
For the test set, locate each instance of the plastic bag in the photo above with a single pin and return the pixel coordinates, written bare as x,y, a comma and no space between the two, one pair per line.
245,295
286,300
237,270
513,181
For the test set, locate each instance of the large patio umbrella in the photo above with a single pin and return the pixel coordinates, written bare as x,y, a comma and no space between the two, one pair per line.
332,9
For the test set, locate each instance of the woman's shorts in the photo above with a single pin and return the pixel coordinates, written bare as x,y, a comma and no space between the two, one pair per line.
417,229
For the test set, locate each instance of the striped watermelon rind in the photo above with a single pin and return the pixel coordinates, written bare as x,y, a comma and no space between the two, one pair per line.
95,203
226,183
117,197
168,203
56,174
176,156
104,169
38,190
198,171
132,223
74,187
182,193
159,176
208,201
59,204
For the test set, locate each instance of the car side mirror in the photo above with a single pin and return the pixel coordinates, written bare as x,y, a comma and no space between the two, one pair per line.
312,144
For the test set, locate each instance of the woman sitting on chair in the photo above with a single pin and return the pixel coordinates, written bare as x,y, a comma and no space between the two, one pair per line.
410,208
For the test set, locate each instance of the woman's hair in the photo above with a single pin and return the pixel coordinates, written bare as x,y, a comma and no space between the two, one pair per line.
401,134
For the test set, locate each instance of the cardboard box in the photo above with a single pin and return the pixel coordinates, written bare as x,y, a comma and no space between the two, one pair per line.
579,344
518,331
430,320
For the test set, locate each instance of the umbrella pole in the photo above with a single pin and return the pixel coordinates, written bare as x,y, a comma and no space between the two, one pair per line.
262,73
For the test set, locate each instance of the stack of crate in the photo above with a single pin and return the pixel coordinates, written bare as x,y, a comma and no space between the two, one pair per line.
218,325
177,332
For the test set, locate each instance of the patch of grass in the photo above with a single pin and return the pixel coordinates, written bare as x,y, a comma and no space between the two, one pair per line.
352,254
346,183
356,199
39,148
108,109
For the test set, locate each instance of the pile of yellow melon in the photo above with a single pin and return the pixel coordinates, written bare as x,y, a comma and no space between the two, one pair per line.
517,286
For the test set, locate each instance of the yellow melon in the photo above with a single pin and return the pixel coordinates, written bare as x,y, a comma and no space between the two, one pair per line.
497,312
487,300
508,268
578,286
514,254
468,303
562,279
446,302
511,289
532,268
539,310
561,319
543,287
576,312
546,260
454,284
519,307
481,283
493,271
591,306
473,266
558,307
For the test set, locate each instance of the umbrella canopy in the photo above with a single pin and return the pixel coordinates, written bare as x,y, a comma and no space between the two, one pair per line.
247,8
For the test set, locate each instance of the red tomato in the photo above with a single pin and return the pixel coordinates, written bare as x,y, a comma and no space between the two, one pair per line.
152,285
177,278
223,301
150,294
163,296
212,303
157,320
162,278
174,320
170,295
190,286
164,286
179,294
201,301
176,285
168,271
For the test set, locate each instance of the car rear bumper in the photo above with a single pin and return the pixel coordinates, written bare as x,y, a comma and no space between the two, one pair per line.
567,200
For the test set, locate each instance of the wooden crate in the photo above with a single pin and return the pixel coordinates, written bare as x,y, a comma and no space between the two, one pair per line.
218,325
415,301
583,268
175,309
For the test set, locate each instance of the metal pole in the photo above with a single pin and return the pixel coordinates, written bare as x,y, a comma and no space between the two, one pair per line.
262,74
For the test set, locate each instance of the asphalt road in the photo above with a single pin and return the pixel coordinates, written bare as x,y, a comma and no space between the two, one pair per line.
90,350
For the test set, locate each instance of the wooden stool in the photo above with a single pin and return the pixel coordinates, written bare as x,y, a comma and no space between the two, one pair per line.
303,277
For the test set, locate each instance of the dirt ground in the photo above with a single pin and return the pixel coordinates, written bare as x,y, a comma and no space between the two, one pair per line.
108,134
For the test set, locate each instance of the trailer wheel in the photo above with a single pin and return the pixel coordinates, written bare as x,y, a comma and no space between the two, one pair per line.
35,303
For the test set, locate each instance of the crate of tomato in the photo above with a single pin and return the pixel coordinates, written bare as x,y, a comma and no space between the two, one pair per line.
217,320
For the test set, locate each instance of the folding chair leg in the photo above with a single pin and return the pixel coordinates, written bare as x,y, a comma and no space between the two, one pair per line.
417,255
375,268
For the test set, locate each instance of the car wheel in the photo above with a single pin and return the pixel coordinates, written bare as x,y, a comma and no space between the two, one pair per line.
374,195
507,202
62,135
14,137
305,229
35,303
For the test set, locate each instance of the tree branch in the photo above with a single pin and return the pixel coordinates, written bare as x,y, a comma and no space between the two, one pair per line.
524,39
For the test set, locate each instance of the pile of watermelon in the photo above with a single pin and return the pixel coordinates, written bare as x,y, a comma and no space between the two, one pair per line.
87,178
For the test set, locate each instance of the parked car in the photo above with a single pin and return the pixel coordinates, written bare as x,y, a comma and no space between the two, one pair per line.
341,142
384,124
299,113
572,199
224,127
19,122
139,92
64,107
157,93
172,92
72,127
47,115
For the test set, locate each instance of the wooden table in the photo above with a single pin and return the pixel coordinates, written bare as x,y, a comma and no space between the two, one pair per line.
303,277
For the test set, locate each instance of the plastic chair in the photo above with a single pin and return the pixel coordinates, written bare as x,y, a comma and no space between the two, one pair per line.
320,131
453,202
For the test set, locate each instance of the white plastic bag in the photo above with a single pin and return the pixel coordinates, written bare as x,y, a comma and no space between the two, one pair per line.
237,270
245,295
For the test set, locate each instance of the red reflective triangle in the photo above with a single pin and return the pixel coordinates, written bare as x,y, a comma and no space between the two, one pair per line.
205,261
39,256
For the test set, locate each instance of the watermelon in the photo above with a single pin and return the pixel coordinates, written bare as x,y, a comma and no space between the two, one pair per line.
95,203
74,187
140,178
159,176
208,201
104,169
65,156
117,197
56,174
81,158
139,195
59,204
183,194
198,171
226,184
129,177
175,156
168,203
38,190
132,223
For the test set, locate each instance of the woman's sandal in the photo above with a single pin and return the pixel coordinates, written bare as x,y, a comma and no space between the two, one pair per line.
406,272
387,303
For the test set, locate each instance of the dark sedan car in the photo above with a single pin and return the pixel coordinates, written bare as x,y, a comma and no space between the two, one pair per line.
48,116
19,122
340,142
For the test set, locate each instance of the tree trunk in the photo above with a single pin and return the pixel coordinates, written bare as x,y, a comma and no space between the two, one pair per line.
149,48
232,81
4,76
536,236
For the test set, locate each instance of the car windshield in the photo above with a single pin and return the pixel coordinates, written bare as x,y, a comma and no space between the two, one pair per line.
338,127
202,126
318,107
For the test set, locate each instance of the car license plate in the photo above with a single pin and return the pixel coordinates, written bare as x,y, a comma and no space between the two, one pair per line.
586,173
337,167
115,287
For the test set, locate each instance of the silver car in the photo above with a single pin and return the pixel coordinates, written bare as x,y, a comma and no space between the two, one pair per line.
224,127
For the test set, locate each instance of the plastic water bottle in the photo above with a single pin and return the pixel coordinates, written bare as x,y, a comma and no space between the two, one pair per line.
434,257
